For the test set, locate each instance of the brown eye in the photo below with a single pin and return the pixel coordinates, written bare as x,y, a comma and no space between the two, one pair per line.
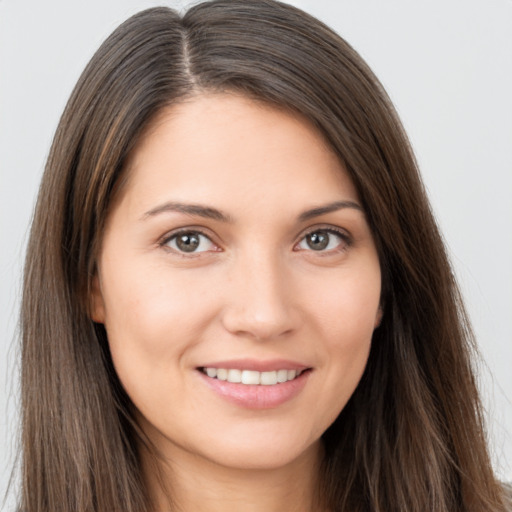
190,242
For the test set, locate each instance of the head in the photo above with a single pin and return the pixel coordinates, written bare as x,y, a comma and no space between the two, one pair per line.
272,55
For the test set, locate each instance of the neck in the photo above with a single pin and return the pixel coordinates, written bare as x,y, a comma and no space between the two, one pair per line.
188,483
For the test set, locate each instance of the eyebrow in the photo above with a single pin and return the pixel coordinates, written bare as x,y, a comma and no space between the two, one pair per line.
208,212
189,209
328,208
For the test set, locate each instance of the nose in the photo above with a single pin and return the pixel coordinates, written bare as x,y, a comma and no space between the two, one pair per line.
260,302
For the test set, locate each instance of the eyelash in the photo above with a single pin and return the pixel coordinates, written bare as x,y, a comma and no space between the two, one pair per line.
163,243
346,239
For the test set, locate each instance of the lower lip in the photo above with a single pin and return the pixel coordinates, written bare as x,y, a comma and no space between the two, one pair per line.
257,396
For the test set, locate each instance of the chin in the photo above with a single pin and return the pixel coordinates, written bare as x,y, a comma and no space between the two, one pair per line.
260,451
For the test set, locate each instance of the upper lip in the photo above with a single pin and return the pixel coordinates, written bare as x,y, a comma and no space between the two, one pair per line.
257,365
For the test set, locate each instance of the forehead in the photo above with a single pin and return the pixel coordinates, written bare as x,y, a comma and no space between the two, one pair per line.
220,147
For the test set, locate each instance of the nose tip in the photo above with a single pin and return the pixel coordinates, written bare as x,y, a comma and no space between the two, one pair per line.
260,306
246,322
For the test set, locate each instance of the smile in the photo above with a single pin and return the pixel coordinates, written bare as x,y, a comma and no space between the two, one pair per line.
252,377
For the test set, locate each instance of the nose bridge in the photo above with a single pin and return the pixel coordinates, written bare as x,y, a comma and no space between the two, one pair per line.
259,301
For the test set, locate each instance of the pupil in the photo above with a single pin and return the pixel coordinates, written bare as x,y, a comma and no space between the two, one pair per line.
318,241
187,242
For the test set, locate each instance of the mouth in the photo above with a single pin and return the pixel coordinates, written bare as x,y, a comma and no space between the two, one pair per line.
255,384
253,377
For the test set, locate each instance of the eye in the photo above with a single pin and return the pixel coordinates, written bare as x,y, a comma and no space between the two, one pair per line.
189,242
324,240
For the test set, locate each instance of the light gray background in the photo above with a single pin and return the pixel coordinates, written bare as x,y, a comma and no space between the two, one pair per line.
447,65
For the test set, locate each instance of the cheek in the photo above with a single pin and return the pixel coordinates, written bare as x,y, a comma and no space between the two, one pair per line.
347,324
149,330
347,306
345,315
148,320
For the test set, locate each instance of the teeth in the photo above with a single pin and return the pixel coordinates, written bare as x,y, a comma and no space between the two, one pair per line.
282,376
251,377
235,376
268,378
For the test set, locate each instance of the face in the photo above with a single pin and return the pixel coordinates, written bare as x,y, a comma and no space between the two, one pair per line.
238,283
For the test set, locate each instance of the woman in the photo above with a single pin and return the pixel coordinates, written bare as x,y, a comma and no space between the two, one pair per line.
235,294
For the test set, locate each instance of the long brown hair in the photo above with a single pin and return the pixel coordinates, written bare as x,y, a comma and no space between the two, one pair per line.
411,437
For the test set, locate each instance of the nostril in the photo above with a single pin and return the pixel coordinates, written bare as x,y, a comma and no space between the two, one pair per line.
261,326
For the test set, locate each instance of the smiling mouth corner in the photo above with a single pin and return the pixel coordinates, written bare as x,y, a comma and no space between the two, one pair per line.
252,377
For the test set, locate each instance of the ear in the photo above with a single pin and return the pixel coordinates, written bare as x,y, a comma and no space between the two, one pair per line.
97,305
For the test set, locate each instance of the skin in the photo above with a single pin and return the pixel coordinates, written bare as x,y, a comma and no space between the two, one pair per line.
254,289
